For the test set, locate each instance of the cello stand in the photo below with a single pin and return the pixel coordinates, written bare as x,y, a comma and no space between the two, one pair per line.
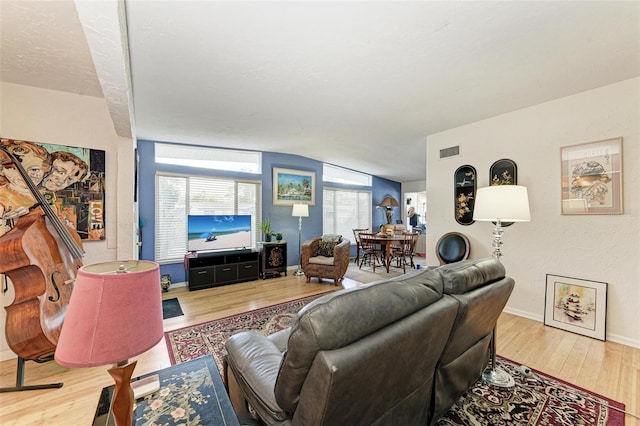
20,378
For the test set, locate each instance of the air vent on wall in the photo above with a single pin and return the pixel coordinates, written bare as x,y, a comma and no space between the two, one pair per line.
450,152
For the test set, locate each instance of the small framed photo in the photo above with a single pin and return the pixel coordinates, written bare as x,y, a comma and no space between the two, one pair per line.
576,305
592,178
293,187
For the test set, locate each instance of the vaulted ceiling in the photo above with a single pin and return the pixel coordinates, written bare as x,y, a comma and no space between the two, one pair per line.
358,84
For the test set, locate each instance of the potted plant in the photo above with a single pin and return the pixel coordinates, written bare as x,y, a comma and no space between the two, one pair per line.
265,227
277,235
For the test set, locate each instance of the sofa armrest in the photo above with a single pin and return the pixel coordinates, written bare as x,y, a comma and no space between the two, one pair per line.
309,249
255,361
342,256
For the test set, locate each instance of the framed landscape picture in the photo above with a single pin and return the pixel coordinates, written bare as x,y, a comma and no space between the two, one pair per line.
592,178
576,305
293,187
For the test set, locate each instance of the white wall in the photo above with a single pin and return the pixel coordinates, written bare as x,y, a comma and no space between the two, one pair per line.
47,116
594,247
414,186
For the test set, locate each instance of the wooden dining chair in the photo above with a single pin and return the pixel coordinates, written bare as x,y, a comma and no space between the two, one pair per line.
371,254
414,242
402,251
356,235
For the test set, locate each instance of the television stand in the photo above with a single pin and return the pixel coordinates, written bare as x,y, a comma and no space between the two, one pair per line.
221,268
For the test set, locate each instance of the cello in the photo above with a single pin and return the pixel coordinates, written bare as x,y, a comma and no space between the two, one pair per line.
40,255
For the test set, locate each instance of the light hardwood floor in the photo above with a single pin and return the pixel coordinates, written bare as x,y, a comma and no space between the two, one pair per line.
610,369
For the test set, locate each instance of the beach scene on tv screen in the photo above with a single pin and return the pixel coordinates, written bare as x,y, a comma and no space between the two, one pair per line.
217,232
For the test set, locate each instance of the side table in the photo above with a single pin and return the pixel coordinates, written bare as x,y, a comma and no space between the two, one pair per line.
273,258
190,393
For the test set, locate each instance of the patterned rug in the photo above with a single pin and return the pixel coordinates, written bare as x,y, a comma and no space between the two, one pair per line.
539,400
208,338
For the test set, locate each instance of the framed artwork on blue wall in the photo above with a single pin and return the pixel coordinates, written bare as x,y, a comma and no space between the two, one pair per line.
293,187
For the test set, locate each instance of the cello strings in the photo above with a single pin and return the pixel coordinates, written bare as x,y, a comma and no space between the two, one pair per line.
71,244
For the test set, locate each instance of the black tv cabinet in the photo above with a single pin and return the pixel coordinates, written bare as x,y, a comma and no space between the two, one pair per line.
222,268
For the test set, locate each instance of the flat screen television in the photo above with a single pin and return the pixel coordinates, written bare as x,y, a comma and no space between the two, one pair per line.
218,232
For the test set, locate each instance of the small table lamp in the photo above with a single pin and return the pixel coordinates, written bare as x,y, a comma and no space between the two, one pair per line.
388,203
500,203
115,312
300,211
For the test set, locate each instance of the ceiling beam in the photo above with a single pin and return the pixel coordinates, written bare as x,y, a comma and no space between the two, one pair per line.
105,28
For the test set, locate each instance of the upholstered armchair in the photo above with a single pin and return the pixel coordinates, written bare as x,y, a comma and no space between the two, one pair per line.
322,259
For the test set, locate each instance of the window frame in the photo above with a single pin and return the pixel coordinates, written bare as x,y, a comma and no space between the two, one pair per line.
346,230
209,158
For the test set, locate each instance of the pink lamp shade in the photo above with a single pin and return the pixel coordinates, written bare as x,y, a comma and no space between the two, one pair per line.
115,313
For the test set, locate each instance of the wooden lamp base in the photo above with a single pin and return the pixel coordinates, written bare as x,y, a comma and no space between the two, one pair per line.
122,401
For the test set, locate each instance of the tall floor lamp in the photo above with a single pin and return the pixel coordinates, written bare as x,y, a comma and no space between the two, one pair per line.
300,211
498,204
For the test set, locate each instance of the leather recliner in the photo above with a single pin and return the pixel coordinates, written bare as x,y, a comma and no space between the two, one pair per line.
479,306
380,353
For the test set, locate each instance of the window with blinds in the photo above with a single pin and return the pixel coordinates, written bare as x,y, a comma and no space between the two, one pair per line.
345,209
178,196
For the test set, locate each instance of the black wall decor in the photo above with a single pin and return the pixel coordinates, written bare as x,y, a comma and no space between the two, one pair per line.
504,172
464,194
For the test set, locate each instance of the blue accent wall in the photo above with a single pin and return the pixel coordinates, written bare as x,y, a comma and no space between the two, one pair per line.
383,188
281,219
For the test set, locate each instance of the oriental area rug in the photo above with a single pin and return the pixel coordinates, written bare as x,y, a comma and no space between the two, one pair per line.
538,400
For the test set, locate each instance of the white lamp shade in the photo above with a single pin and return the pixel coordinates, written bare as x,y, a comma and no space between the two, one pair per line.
300,210
507,203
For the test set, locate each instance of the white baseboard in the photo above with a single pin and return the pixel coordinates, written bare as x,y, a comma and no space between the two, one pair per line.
175,285
7,354
610,337
524,314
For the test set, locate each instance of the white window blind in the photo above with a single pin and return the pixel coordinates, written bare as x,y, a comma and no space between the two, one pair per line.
179,196
344,210
171,217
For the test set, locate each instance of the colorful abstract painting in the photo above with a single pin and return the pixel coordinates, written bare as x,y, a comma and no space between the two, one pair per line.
71,180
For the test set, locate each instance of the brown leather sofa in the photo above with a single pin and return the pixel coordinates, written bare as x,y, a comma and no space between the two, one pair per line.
398,351
317,265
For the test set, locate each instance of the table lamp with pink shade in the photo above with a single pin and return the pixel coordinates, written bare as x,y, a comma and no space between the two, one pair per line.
115,313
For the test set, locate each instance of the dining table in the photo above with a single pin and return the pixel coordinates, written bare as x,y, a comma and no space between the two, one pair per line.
387,240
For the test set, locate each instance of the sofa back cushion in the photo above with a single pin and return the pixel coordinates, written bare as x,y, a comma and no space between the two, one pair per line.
339,319
481,290
384,378
462,277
